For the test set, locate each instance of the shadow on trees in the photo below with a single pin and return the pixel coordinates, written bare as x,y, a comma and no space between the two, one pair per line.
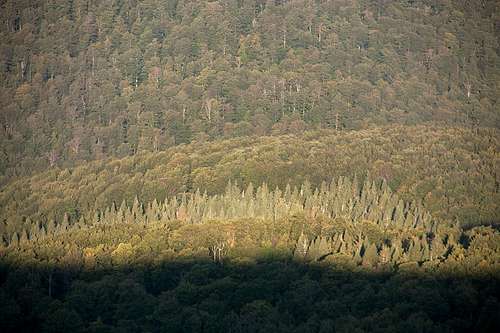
268,294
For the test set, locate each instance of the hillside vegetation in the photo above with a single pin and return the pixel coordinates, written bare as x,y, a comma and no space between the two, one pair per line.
453,172
86,79
336,259
249,166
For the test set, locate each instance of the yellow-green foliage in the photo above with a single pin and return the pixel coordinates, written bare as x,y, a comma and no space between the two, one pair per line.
452,170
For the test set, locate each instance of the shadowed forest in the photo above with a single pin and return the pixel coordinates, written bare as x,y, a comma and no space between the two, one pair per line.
249,166
301,260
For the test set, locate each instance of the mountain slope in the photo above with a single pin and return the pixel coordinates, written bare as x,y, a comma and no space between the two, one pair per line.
86,79
452,171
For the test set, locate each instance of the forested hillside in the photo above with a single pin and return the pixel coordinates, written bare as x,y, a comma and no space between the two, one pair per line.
249,166
372,230
453,173
86,79
341,258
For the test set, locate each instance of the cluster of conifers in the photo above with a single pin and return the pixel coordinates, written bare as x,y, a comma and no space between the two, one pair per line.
346,199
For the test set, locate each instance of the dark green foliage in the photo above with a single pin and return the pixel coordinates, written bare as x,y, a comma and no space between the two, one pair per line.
159,266
246,292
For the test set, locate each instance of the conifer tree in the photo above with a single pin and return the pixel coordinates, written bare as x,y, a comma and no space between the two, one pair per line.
318,248
23,240
370,257
51,226
302,247
14,240
65,223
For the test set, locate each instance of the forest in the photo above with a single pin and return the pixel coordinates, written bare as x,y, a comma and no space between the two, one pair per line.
87,79
345,257
249,166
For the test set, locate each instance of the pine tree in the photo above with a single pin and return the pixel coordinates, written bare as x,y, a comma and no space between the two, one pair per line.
24,237
415,250
396,254
399,214
65,223
385,254
301,247
370,257
51,226
34,228
318,248
438,249
14,240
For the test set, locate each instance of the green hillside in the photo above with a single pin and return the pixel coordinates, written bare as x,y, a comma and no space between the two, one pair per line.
335,259
86,79
452,172
249,166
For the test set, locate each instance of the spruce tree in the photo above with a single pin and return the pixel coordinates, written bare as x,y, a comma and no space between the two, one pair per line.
370,257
